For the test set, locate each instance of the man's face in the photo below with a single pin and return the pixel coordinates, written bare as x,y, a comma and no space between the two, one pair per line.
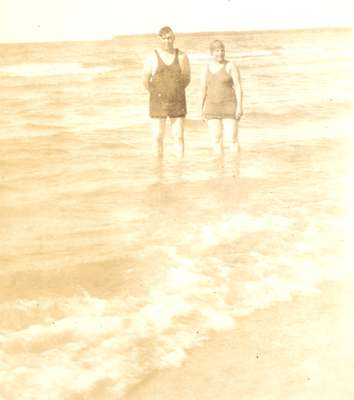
167,40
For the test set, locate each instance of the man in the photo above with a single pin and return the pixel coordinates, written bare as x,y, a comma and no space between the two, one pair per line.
166,75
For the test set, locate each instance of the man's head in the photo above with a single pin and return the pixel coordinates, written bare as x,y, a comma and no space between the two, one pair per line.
167,37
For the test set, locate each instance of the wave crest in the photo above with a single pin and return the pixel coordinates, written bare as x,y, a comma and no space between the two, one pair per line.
32,70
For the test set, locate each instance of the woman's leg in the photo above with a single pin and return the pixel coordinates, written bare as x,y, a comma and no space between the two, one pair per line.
231,133
216,135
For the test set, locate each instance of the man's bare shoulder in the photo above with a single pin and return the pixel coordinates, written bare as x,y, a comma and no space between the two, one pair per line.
183,57
150,60
182,53
151,57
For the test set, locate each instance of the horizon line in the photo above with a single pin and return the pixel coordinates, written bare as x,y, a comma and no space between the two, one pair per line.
178,33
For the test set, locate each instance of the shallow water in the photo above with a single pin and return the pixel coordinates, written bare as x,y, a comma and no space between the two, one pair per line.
115,264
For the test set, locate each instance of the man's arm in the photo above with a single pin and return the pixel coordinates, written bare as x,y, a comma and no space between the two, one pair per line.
186,69
147,73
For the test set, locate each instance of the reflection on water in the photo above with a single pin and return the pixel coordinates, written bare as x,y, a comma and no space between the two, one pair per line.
206,166
184,186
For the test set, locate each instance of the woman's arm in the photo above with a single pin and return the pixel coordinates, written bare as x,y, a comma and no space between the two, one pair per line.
203,88
238,90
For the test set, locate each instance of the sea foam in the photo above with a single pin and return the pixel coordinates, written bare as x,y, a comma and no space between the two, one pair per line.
33,70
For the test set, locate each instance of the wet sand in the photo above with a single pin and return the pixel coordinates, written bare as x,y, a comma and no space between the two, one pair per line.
298,350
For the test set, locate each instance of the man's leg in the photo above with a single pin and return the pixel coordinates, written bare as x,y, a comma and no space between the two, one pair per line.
158,134
177,127
231,133
216,135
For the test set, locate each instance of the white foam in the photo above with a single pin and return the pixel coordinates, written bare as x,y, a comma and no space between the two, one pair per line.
230,229
300,50
125,341
32,70
86,340
260,53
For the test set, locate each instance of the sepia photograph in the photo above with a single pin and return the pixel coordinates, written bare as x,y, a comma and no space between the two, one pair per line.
176,218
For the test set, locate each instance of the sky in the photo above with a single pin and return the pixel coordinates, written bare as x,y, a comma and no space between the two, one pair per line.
57,20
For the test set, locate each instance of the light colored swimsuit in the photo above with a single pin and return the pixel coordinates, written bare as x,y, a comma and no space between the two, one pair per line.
220,101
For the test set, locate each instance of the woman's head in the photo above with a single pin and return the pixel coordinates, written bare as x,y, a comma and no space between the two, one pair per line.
216,44
217,50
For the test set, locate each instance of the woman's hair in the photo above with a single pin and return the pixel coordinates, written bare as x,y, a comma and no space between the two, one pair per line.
164,30
216,44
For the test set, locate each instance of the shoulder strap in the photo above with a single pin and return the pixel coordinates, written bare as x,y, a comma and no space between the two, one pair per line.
159,59
176,60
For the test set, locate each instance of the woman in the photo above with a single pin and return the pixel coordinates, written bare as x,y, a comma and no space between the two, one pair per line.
221,98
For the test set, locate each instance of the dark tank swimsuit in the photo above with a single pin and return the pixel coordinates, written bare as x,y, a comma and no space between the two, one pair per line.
167,90
220,101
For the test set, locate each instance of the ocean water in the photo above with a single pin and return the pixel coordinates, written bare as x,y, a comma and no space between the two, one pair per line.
115,264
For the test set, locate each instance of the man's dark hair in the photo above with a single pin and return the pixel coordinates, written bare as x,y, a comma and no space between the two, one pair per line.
164,30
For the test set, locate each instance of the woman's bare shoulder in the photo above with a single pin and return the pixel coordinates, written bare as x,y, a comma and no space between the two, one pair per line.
230,65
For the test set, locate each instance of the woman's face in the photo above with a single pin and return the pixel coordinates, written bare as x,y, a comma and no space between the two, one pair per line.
219,54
